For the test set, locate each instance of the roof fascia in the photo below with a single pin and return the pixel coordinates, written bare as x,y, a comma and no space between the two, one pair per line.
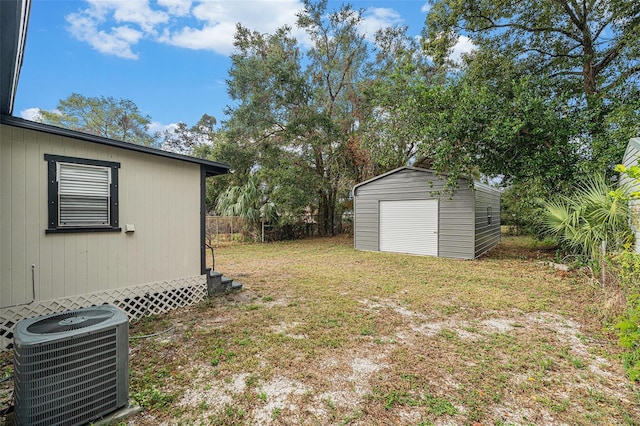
14,20
212,168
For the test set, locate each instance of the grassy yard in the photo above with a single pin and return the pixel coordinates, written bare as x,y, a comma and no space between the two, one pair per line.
322,334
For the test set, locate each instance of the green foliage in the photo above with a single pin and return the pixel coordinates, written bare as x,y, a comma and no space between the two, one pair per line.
220,355
102,116
412,398
303,114
185,140
520,206
248,202
589,48
594,213
152,398
628,327
633,173
580,103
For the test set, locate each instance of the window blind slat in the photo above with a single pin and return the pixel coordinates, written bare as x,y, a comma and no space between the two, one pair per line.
83,192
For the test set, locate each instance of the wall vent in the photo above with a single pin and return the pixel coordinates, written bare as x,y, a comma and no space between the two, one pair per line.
72,367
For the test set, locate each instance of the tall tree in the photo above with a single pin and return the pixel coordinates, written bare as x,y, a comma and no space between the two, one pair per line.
184,140
102,116
592,45
394,130
334,74
588,52
309,113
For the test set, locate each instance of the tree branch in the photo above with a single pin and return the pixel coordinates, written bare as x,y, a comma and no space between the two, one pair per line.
623,76
611,55
525,28
559,73
578,22
552,55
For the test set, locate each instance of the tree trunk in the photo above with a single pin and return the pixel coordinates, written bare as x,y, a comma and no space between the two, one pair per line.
322,214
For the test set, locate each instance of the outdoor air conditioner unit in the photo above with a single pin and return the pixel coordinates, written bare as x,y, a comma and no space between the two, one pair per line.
72,367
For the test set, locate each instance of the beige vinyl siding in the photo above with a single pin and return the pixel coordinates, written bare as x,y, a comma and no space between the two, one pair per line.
632,158
159,196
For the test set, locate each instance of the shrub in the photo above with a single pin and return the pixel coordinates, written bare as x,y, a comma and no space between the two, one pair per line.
627,328
593,213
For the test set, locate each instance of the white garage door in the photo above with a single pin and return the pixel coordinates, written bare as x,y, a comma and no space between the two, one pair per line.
409,226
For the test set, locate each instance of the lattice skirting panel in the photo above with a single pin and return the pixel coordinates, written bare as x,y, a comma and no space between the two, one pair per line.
137,302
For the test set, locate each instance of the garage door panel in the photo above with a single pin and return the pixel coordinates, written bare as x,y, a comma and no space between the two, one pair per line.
409,226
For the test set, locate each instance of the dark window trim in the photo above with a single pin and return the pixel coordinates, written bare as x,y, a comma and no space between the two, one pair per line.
489,215
52,199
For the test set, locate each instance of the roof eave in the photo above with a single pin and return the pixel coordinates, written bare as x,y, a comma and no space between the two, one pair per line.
212,168
14,19
420,169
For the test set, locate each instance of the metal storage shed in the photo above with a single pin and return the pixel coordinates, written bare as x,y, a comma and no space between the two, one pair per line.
632,158
401,211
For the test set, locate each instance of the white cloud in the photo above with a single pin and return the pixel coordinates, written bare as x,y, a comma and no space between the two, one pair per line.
425,8
130,11
114,27
176,7
157,127
217,23
84,26
94,25
376,18
464,45
218,38
31,114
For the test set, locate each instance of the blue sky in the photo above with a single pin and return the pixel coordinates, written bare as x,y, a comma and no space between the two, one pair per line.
170,57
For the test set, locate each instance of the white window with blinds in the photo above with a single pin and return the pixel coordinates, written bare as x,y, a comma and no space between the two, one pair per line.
83,194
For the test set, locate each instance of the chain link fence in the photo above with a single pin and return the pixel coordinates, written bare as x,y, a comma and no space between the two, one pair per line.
232,229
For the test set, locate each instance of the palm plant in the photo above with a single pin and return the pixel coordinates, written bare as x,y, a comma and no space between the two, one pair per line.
247,202
593,214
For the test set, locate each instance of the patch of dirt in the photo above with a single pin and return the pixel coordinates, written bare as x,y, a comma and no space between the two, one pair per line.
342,382
282,352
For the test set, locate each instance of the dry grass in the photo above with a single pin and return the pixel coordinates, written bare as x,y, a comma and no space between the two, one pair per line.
323,334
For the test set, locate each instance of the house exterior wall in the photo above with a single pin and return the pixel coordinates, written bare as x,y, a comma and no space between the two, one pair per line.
632,158
456,221
159,196
487,235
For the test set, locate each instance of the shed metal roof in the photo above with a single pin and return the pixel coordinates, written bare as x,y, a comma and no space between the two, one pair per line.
476,183
212,168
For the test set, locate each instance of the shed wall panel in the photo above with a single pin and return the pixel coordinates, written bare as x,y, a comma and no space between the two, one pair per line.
456,223
160,196
487,233
366,224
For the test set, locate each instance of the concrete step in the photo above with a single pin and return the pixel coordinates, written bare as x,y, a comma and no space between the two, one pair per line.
230,284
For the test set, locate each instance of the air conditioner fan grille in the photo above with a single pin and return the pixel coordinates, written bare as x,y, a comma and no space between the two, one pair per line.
68,321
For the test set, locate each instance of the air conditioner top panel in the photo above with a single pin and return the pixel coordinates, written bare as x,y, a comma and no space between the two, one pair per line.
67,324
